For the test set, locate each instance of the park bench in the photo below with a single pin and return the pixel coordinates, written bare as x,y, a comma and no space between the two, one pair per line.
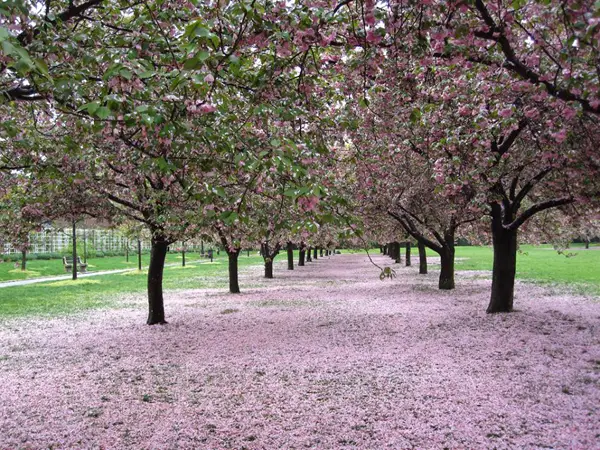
68,263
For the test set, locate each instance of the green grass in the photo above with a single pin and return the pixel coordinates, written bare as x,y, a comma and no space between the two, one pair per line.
44,268
580,272
56,298
577,268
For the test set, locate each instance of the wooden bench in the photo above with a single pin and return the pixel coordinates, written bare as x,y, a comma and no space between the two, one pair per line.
68,263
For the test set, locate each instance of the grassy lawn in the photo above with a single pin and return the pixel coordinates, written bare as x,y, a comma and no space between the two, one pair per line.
577,268
66,296
44,268
580,272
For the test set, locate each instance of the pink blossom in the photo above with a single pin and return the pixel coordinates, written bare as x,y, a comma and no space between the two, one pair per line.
505,113
207,108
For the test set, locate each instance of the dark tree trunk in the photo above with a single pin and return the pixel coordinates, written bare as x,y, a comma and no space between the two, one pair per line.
290,255
381,249
408,262
587,244
23,260
139,255
503,273
183,257
234,286
156,307
74,270
422,259
268,267
308,255
385,250
315,250
397,254
202,248
127,251
447,270
301,256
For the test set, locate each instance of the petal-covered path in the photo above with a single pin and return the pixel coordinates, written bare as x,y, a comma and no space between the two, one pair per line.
325,356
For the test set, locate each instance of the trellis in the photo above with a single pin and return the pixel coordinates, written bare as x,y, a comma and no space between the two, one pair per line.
59,241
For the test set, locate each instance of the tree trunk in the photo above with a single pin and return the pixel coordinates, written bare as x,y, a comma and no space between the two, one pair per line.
308,255
503,272
301,257
587,244
74,270
234,286
385,250
156,308
408,262
268,267
315,257
183,257
397,254
290,255
422,259
23,260
127,251
447,270
321,252
139,255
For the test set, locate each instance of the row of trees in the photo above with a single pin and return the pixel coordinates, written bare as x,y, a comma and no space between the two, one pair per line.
262,123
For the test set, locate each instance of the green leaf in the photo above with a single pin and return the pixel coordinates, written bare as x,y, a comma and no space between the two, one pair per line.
8,48
4,33
103,112
191,64
415,115
125,73
202,55
146,74
90,107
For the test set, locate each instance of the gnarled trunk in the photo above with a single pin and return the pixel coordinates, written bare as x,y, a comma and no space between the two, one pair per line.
234,286
505,263
156,308
447,268
268,267
422,259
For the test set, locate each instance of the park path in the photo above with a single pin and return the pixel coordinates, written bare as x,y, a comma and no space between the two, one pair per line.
323,356
80,275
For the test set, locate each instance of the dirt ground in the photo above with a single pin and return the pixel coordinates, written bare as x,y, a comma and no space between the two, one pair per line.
325,356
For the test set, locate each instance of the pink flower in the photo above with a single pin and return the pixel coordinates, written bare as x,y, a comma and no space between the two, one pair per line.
207,108
209,78
506,112
560,136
